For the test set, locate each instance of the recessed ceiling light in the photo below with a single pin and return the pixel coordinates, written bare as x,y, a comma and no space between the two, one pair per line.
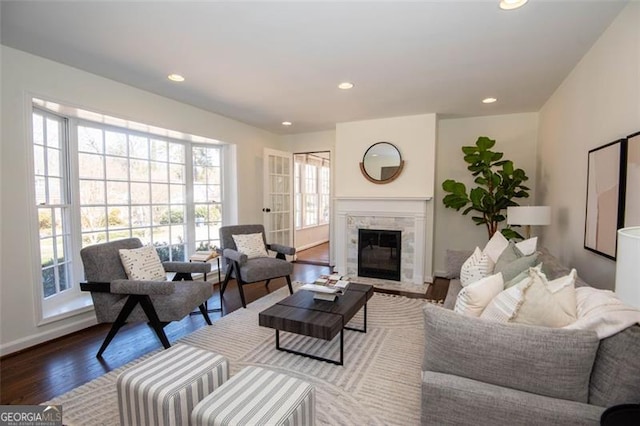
345,85
511,4
489,100
287,123
175,77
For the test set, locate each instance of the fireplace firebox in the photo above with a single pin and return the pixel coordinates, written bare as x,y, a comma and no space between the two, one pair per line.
379,253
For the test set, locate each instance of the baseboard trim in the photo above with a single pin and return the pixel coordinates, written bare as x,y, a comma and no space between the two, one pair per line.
45,336
308,246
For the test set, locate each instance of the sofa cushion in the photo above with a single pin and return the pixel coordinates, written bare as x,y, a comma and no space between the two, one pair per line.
453,400
142,264
547,303
546,361
476,267
473,298
495,246
616,373
512,262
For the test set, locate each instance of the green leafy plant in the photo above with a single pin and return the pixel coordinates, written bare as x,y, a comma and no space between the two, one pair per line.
499,184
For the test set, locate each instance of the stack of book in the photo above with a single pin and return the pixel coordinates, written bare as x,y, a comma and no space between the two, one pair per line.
327,287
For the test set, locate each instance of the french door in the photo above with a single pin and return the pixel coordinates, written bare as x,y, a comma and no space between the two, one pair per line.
277,198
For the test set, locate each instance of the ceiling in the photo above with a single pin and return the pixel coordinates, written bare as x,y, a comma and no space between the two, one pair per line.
267,62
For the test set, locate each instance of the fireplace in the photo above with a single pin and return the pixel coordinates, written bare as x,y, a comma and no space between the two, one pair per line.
379,253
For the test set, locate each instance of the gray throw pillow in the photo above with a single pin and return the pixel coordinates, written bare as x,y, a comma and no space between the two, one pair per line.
512,262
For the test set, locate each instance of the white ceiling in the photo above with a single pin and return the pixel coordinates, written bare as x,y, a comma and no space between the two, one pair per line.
266,62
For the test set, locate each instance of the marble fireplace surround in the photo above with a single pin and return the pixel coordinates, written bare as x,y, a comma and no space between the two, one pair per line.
408,215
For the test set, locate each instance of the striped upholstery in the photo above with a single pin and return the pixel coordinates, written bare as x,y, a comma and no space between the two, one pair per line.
257,396
164,389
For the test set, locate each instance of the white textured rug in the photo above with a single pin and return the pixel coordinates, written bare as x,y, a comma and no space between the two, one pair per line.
379,383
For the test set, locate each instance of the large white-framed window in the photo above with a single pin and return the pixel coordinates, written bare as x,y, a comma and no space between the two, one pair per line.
207,195
132,185
312,184
95,182
53,206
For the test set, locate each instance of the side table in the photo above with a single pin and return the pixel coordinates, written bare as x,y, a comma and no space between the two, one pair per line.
205,256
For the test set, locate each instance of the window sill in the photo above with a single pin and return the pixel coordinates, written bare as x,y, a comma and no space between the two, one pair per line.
304,228
72,307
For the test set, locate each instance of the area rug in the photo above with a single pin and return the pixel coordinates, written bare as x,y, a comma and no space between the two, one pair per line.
379,383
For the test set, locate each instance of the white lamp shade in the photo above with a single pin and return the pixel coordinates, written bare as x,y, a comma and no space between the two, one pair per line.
628,266
529,215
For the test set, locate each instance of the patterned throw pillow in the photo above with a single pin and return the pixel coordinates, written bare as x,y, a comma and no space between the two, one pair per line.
476,267
473,298
536,301
142,264
251,244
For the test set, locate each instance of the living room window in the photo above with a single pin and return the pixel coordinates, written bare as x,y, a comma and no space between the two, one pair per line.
51,178
124,183
132,185
312,176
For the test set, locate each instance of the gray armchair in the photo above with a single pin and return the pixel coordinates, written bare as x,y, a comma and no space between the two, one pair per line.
247,271
118,300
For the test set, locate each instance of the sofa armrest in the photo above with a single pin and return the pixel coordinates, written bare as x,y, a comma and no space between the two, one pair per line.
452,293
279,248
142,287
454,260
235,256
545,361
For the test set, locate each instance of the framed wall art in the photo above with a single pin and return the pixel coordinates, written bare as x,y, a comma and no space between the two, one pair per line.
605,193
632,181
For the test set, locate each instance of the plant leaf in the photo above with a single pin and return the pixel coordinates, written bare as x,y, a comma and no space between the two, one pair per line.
484,143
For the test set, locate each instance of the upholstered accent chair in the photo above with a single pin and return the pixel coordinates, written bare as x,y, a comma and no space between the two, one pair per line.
119,300
247,270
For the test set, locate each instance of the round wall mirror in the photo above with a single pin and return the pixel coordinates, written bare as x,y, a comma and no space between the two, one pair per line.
381,163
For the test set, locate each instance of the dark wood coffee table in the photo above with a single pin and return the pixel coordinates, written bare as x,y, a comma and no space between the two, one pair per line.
300,313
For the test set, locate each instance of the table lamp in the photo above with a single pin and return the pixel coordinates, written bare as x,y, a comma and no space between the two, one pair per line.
628,266
529,215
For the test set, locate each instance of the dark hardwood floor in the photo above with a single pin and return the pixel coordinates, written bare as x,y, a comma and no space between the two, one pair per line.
42,372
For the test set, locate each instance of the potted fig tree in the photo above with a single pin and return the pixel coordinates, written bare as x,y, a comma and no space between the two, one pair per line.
499,182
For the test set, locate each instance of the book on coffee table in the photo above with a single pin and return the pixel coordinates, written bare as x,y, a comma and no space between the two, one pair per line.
321,292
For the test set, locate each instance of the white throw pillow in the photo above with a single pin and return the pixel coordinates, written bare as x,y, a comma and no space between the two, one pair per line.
528,247
251,244
505,305
495,246
474,298
476,267
142,264
548,303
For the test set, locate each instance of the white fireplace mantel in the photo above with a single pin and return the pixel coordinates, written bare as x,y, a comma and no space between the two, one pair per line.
378,210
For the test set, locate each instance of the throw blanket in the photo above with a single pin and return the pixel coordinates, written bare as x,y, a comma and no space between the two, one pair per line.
603,312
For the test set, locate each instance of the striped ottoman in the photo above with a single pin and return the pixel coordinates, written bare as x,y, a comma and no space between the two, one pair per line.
163,389
257,396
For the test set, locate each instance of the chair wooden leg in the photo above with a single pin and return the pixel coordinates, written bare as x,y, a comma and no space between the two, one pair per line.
227,277
131,303
266,284
154,321
289,284
205,313
239,282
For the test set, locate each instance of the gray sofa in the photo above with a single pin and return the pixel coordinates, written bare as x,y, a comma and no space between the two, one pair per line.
481,372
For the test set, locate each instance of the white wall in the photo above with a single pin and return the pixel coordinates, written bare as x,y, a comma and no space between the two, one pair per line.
515,136
597,103
24,76
414,136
